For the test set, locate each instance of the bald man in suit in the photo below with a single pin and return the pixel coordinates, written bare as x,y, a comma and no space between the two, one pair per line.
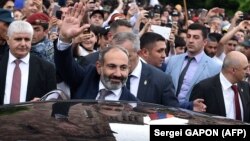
217,92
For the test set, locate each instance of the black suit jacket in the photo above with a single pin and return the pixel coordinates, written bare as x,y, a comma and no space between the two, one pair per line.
42,77
163,67
210,90
156,87
89,59
3,49
84,80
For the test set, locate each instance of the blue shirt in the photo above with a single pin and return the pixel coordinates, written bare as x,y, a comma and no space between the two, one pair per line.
186,85
44,50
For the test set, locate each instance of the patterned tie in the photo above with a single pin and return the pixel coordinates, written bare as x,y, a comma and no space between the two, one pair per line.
182,75
104,93
16,84
236,102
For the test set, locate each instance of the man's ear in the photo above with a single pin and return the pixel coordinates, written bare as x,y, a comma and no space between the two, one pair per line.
98,67
144,52
205,42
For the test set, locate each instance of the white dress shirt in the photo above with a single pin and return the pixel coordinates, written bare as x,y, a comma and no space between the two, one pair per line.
228,95
24,67
84,52
220,59
114,97
135,80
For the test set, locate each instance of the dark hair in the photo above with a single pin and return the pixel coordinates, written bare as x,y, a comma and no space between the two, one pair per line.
217,36
100,12
182,31
149,38
114,25
45,26
234,38
212,38
46,3
197,26
107,49
3,2
179,41
95,30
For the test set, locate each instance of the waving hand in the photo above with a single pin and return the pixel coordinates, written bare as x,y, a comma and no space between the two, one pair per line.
71,24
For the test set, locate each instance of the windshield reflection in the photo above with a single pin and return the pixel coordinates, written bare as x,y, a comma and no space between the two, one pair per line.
90,120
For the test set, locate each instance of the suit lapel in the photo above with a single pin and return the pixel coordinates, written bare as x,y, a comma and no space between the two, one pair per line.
124,94
200,70
93,92
3,73
177,69
144,81
95,89
33,69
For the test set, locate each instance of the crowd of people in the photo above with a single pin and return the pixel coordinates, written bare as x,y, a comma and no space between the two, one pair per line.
93,50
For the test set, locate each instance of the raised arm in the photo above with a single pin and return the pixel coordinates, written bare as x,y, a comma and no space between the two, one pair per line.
71,25
244,25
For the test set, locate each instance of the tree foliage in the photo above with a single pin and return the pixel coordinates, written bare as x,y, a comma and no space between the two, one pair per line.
231,6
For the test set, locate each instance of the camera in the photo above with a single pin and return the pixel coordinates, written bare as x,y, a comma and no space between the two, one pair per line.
59,14
86,31
151,14
245,16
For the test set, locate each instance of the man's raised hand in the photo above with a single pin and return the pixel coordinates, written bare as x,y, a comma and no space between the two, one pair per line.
71,24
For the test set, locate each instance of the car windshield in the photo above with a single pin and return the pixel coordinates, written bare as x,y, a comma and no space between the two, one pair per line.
92,120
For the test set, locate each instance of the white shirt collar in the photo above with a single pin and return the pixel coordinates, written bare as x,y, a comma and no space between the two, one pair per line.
115,92
141,59
224,82
24,59
137,71
84,52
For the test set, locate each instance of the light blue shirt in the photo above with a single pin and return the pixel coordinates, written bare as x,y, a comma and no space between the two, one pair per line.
187,81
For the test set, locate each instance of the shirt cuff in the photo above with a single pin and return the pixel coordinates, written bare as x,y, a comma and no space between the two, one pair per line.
62,45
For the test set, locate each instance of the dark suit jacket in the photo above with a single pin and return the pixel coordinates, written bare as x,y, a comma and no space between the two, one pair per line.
42,78
89,59
156,87
163,67
211,91
84,80
3,49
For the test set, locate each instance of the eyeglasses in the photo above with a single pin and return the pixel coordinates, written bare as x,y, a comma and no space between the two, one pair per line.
230,44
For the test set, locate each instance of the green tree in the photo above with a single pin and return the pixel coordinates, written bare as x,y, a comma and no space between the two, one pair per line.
244,5
231,6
